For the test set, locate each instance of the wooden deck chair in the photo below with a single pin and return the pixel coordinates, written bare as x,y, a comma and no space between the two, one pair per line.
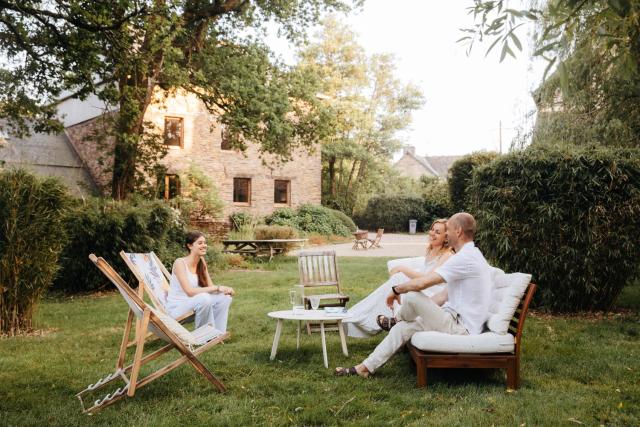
319,272
188,344
153,278
375,242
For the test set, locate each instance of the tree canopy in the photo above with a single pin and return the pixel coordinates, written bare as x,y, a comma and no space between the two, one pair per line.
592,47
121,50
368,109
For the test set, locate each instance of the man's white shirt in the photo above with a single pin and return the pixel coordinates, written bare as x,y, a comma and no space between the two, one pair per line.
469,286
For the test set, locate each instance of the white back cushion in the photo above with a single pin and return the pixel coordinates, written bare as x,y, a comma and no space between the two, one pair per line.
508,290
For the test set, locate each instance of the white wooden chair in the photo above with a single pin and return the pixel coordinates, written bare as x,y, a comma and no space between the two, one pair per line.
318,273
153,278
188,344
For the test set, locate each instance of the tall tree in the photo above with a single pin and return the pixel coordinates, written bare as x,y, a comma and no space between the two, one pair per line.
122,50
593,53
370,108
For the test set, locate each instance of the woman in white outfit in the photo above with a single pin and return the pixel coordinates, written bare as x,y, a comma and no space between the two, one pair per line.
371,315
191,287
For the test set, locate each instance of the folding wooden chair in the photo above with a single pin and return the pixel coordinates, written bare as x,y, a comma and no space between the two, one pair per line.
153,278
188,344
319,270
375,242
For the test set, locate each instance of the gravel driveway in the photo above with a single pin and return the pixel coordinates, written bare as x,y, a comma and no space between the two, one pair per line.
392,245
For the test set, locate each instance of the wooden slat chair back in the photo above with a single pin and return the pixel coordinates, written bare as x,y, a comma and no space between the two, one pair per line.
510,362
188,344
318,271
153,278
375,242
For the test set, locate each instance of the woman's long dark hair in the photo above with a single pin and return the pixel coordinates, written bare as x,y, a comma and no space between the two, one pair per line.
201,268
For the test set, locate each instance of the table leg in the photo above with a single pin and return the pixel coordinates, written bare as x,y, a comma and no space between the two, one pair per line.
324,344
276,339
343,340
298,335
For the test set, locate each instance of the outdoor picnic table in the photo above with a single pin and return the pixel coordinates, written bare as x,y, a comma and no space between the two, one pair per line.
259,247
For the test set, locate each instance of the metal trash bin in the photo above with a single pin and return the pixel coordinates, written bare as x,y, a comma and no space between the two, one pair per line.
413,223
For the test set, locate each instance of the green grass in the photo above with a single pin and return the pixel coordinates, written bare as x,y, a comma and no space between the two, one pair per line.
574,369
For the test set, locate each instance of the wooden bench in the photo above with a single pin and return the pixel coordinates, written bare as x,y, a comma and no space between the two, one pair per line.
269,247
507,361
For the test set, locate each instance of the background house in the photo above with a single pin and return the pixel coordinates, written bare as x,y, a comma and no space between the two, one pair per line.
415,166
246,181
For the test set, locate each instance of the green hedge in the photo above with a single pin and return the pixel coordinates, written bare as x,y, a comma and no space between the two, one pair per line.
32,236
460,175
571,219
394,212
106,227
313,219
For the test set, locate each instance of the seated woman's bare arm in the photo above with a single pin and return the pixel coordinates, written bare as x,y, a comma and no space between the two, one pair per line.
412,274
224,289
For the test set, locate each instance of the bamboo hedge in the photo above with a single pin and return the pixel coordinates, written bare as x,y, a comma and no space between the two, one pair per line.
32,236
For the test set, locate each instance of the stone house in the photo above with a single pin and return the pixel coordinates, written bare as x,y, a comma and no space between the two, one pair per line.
415,166
246,181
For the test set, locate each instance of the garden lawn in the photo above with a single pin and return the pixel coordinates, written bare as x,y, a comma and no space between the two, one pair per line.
575,370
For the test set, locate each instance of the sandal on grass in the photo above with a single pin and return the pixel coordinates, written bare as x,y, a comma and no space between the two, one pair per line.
386,323
347,372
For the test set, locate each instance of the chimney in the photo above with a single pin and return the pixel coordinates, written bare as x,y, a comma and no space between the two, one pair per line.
409,149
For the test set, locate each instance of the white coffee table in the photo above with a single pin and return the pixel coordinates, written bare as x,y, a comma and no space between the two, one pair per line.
308,316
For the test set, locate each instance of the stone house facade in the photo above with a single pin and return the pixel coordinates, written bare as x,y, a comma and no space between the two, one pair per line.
414,166
246,181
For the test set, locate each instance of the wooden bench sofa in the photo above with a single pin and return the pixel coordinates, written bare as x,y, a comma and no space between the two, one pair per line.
498,348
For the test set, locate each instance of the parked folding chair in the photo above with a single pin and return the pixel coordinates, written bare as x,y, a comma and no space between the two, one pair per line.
188,344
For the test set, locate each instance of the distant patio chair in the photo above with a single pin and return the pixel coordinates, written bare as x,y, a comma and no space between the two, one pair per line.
360,240
375,242
188,344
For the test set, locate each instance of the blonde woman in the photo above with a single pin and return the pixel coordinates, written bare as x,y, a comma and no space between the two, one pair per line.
371,315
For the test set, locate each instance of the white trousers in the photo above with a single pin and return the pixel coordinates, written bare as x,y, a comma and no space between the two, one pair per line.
210,309
418,313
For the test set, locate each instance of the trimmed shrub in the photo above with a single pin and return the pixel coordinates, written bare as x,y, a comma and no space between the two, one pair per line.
570,218
344,218
394,212
282,216
321,220
268,232
105,227
32,237
311,219
460,175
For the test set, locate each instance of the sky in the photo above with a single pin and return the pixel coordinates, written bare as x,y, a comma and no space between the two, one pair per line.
468,98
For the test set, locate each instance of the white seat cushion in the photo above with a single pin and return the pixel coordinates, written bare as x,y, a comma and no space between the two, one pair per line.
488,342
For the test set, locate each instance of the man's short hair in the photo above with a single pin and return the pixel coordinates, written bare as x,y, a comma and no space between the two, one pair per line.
467,222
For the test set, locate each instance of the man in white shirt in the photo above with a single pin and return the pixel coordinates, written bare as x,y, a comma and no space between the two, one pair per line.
462,308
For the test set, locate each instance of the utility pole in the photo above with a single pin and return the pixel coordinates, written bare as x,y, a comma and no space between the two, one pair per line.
500,134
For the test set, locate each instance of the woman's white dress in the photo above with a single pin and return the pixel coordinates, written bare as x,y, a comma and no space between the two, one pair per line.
361,322
211,309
